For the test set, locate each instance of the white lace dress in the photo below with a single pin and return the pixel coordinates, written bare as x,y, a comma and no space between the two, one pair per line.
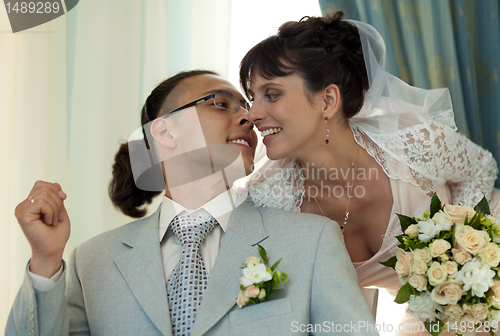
419,159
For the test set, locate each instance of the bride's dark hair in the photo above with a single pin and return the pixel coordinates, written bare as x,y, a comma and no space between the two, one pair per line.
122,189
321,50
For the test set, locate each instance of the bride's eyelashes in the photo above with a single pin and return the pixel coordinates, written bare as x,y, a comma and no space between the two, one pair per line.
272,96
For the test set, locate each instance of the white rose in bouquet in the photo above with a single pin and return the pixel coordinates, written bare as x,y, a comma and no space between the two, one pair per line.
476,276
428,230
424,307
441,218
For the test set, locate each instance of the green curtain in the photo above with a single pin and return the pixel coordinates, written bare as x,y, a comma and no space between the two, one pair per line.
442,43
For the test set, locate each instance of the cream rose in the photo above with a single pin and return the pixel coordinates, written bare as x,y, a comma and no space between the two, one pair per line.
451,268
439,247
252,260
490,255
418,281
479,311
458,213
471,240
262,294
495,299
419,267
454,311
412,230
461,256
447,293
252,291
422,255
402,267
242,299
436,274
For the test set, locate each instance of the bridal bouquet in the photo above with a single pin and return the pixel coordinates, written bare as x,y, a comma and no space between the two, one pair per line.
448,265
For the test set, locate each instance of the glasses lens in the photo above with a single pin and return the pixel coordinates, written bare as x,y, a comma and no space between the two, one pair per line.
229,103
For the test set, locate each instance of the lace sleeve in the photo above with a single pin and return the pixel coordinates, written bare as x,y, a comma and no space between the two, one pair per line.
468,169
429,154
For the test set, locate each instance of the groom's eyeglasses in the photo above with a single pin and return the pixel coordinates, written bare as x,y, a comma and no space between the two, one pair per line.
220,100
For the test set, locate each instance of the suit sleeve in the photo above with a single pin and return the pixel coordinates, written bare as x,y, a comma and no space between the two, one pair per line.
39,313
336,300
60,311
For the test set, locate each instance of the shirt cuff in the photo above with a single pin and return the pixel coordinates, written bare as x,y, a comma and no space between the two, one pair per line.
42,283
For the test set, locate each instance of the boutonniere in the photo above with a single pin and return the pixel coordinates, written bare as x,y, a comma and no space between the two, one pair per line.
259,280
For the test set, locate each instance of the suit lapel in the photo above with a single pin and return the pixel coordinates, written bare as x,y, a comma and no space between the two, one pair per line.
142,269
244,231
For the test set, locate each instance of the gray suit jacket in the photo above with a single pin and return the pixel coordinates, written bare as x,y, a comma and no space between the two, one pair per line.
115,283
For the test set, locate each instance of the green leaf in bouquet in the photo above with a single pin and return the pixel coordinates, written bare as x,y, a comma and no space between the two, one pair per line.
404,294
400,238
492,333
435,204
417,245
434,328
483,206
475,221
390,262
406,221
263,254
275,265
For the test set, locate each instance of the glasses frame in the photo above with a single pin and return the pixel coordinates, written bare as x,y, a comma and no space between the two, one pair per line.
210,96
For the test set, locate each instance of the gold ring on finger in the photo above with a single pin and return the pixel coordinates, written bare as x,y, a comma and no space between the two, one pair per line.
31,199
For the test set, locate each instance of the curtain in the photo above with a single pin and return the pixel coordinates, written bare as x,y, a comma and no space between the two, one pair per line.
71,91
442,43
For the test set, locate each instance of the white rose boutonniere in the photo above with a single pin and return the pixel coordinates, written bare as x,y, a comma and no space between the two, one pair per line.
259,280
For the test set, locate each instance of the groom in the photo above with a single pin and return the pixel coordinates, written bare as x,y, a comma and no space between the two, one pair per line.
123,282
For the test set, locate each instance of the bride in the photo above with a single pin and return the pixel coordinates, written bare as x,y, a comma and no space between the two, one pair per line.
351,142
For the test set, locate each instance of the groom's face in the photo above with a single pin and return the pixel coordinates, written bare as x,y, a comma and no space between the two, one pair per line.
220,126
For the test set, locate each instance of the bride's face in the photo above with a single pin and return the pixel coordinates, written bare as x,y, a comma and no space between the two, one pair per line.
288,117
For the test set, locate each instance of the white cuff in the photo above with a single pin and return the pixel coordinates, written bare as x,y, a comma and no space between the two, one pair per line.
42,283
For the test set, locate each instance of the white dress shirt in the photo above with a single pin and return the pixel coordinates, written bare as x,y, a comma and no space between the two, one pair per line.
220,207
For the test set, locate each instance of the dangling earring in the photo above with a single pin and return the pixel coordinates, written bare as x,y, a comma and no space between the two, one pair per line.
327,131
